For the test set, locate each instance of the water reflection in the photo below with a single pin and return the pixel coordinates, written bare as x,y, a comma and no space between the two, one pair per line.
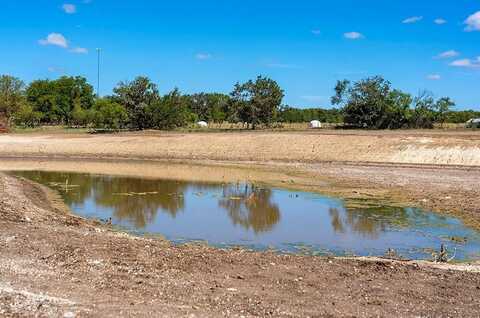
250,207
371,222
252,215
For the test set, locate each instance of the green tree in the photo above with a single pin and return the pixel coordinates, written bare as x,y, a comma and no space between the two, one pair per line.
26,116
137,96
56,99
12,95
169,112
371,103
443,106
210,106
257,102
424,114
107,114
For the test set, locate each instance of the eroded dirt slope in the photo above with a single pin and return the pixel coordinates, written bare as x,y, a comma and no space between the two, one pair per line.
417,147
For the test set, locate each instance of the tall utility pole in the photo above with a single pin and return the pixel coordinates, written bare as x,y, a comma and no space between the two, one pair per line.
99,50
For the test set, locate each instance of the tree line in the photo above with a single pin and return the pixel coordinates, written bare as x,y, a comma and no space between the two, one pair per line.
137,105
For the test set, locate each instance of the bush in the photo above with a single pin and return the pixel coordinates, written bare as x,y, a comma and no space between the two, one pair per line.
26,116
107,114
169,112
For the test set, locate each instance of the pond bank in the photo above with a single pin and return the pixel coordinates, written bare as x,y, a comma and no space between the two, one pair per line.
444,189
54,263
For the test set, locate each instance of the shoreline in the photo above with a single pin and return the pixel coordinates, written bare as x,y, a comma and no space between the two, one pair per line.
446,190
86,274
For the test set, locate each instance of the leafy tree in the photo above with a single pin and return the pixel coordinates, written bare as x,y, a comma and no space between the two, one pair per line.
71,91
11,95
107,114
424,113
169,112
257,102
41,95
137,96
458,117
210,106
371,103
56,99
443,106
289,114
26,116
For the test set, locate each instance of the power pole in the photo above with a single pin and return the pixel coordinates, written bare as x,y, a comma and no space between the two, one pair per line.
99,50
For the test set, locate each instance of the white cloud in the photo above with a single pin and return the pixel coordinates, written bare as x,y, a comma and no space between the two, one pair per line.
203,56
353,35
434,77
316,32
69,8
56,39
473,22
448,54
439,21
79,50
412,20
468,63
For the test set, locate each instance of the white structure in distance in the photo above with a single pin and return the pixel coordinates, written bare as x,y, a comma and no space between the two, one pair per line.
315,124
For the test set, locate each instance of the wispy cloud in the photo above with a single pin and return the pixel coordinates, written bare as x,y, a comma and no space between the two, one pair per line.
447,54
353,35
473,22
282,65
79,50
412,20
316,32
203,56
54,69
56,39
467,63
69,8
434,77
440,21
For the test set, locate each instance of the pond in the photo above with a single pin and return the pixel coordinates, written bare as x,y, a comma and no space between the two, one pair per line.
259,217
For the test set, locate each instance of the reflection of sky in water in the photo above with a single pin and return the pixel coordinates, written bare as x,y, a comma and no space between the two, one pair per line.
258,217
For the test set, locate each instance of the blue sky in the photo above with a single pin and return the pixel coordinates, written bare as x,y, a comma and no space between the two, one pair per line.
306,45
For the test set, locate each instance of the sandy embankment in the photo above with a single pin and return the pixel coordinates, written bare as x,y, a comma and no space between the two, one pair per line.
56,264
376,147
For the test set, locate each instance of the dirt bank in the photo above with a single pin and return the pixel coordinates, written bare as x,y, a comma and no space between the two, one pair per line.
416,147
445,189
56,264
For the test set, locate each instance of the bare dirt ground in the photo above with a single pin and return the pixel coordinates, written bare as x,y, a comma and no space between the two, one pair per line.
55,264
415,147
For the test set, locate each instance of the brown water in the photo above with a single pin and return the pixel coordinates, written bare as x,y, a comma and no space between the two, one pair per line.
258,217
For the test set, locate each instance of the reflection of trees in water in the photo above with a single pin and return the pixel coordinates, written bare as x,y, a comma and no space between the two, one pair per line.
139,200
369,222
132,199
79,185
250,207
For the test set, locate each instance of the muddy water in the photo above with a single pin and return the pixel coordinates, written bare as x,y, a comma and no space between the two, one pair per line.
259,217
